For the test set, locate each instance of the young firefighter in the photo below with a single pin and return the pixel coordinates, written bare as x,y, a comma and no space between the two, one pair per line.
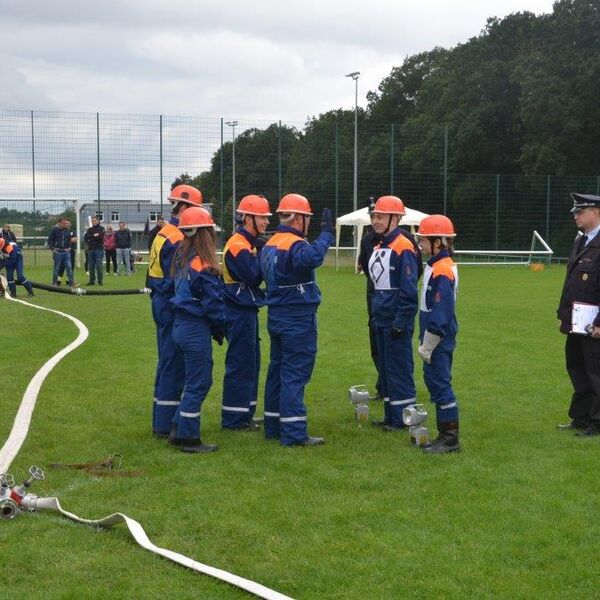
199,315
168,382
439,327
243,298
288,262
394,272
11,256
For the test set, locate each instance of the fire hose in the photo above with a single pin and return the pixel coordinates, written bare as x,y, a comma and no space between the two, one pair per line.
16,499
79,291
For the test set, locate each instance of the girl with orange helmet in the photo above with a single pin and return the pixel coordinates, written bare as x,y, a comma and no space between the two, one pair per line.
168,381
394,271
439,327
198,306
243,299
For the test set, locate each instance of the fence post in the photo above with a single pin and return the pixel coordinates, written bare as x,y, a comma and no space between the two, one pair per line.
33,189
279,186
221,216
392,159
445,169
598,185
337,189
98,155
497,211
161,163
548,209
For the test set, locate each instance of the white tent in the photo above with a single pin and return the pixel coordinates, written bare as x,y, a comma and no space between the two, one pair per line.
360,219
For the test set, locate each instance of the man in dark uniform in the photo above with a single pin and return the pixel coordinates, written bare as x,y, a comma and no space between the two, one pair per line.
582,284
368,243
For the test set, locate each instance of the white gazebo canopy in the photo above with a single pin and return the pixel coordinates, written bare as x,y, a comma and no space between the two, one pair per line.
361,219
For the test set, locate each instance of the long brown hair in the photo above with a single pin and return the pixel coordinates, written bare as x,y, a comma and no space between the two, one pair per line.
201,244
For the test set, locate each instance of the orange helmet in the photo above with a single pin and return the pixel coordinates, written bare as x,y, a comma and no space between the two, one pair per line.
187,194
294,203
2,243
254,205
389,205
195,217
436,225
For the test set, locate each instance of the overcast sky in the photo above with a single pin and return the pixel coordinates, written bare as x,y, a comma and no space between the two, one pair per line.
265,59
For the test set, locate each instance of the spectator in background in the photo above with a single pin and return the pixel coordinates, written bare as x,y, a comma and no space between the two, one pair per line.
110,252
59,241
123,240
72,251
94,237
7,234
160,223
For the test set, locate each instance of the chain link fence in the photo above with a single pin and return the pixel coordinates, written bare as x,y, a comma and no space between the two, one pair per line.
123,166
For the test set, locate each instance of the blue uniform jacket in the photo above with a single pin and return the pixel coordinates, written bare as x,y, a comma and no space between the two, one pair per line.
162,253
287,264
199,294
394,271
438,299
10,254
241,270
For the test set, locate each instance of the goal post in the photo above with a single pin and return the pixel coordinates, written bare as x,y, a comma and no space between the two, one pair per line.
509,257
32,219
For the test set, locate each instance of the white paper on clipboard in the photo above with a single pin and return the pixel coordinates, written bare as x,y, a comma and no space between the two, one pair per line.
583,315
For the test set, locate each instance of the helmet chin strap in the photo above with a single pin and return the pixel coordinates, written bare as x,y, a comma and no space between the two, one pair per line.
389,225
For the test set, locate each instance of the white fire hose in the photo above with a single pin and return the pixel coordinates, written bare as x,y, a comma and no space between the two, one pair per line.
30,502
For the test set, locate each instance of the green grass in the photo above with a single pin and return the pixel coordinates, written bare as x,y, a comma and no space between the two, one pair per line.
365,516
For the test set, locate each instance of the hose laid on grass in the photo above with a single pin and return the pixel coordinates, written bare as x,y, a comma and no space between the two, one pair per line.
19,433
79,291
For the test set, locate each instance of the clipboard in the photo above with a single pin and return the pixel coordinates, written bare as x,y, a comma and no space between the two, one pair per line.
582,316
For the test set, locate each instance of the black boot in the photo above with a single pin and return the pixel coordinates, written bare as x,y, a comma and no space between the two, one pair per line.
12,288
447,440
195,446
30,291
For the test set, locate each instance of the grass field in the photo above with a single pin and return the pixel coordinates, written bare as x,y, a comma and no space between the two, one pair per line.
514,515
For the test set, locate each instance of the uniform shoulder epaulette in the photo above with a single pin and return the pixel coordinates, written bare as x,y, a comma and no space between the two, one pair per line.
237,243
171,233
284,240
196,264
444,267
402,243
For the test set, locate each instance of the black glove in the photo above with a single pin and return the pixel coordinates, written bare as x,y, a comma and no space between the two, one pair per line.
397,333
327,221
218,334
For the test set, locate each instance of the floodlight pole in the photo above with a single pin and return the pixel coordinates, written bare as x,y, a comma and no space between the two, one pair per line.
232,124
355,75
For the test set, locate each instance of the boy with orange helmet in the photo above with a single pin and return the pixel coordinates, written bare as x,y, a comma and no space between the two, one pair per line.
168,382
288,264
394,271
243,298
12,258
439,327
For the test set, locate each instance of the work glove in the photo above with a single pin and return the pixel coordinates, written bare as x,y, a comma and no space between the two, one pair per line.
397,333
218,334
327,221
429,344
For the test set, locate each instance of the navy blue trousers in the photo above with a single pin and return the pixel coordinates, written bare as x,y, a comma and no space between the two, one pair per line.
170,370
396,372
293,353
193,339
438,379
242,367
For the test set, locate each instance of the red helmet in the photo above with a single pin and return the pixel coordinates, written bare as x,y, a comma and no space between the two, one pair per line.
436,225
187,194
294,203
194,217
254,205
389,205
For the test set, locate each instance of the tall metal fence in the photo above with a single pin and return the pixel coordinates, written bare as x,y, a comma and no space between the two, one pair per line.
106,160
